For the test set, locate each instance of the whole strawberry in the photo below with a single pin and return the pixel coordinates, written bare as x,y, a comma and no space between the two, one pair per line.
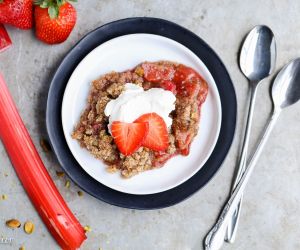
18,13
54,20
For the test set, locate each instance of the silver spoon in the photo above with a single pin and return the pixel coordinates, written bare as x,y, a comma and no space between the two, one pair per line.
257,61
285,92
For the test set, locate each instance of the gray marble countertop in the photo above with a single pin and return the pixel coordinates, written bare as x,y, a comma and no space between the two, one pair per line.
271,213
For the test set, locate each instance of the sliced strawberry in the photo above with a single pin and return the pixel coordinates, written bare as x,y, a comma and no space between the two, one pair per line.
129,136
157,138
158,73
5,41
168,85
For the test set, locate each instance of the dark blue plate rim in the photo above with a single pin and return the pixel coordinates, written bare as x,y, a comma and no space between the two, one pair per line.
130,26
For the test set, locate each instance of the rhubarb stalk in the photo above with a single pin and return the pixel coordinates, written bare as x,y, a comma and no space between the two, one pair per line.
38,184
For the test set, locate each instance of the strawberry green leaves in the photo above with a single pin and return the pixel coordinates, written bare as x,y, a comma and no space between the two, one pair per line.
53,6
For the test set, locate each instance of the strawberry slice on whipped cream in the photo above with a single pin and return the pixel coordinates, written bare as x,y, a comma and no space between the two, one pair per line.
135,102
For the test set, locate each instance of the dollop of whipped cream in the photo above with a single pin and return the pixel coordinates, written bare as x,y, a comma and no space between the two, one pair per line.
134,101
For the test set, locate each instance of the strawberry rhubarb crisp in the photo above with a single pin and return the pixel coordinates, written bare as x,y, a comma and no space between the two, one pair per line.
138,119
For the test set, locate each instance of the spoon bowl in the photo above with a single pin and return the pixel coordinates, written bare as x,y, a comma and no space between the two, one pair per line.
258,53
286,86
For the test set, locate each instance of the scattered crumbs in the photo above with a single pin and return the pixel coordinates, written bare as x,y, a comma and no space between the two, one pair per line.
60,173
67,184
22,248
87,229
4,197
80,193
45,145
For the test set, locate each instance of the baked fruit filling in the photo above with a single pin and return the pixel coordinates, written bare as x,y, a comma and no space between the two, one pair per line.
138,119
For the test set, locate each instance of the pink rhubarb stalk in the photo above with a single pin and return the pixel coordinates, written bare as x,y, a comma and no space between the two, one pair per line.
30,169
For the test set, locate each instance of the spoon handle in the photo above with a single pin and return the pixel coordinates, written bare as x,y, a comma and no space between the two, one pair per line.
233,222
214,238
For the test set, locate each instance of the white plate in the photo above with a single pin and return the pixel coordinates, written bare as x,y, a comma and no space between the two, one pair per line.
120,54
